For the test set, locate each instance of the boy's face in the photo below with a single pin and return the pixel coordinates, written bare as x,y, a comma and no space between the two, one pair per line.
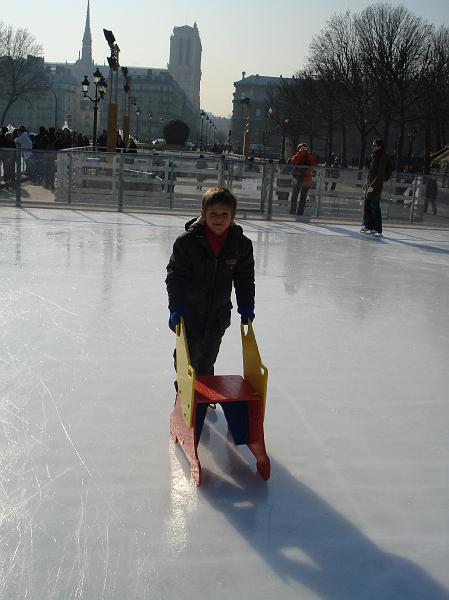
218,217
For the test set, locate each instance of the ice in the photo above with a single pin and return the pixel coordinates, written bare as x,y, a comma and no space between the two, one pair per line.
96,500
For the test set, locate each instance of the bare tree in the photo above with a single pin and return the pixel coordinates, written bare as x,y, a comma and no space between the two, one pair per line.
395,52
22,68
299,99
432,106
335,55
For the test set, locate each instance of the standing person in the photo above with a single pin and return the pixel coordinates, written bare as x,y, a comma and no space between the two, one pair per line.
207,259
9,160
132,148
302,159
24,142
430,194
377,173
200,165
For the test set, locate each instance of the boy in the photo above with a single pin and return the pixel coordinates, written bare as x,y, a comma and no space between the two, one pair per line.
207,259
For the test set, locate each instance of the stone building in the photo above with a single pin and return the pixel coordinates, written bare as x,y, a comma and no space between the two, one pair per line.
160,94
251,100
185,61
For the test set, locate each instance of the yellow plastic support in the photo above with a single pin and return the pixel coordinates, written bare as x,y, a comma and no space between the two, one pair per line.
254,371
185,374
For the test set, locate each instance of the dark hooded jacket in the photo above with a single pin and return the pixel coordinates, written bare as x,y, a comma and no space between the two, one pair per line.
377,168
201,283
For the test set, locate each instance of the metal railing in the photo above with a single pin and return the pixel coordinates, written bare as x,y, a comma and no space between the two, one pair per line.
169,181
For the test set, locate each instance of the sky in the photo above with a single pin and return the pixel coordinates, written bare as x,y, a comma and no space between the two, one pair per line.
264,37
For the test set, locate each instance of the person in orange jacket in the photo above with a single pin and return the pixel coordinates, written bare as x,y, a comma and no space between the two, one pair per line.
303,176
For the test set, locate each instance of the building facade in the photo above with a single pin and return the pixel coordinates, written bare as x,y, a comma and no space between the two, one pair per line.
251,104
185,61
161,95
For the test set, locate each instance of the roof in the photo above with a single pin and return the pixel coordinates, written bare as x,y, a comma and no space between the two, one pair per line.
262,80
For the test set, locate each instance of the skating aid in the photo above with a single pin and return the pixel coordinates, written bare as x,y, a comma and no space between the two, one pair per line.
208,389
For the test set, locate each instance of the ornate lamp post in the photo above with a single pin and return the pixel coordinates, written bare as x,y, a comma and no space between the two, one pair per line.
127,90
202,115
246,101
150,117
113,62
162,126
207,131
412,132
137,122
284,127
100,90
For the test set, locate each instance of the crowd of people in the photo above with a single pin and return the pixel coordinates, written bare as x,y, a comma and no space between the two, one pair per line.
39,151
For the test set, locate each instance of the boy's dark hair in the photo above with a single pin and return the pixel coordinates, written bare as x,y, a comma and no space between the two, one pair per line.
219,195
379,142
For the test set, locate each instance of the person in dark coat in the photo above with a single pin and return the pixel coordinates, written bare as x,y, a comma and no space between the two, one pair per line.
430,195
209,258
372,216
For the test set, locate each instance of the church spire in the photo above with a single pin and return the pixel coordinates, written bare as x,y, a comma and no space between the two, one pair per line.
86,53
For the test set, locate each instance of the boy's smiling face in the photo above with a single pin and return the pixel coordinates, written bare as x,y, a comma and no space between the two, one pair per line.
218,217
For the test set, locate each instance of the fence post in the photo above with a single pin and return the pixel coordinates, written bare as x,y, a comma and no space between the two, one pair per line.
120,182
171,182
270,191
19,177
318,192
263,187
221,171
70,173
415,181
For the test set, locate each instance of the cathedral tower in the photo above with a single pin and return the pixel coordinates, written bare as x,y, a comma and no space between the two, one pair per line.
185,61
86,52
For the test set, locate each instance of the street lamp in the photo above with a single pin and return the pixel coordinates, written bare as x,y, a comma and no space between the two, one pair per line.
150,116
284,127
100,90
246,101
411,134
202,115
162,126
56,102
137,123
113,62
207,131
126,112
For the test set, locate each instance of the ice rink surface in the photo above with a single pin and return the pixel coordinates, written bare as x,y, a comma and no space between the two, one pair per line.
96,501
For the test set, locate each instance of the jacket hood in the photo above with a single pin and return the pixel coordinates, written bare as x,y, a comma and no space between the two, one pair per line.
193,223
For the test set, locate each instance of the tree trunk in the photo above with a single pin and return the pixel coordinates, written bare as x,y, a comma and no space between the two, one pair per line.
427,147
343,158
330,143
5,111
363,134
387,130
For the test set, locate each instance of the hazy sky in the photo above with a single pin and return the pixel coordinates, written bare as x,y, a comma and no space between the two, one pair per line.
265,37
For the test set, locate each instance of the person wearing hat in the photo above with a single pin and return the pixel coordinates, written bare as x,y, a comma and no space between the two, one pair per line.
303,176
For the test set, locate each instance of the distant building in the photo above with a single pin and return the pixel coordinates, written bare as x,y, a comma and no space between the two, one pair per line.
159,99
54,103
251,99
165,94
185,61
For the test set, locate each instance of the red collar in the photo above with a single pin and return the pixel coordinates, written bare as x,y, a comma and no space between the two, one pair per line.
215,241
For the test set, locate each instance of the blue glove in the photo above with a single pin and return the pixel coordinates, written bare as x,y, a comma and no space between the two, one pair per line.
175,316
246,314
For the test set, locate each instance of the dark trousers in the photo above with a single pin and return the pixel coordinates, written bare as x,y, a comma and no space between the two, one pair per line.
203,352
302,199
372,216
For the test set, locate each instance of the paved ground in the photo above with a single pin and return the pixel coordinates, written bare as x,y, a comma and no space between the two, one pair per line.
95,501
